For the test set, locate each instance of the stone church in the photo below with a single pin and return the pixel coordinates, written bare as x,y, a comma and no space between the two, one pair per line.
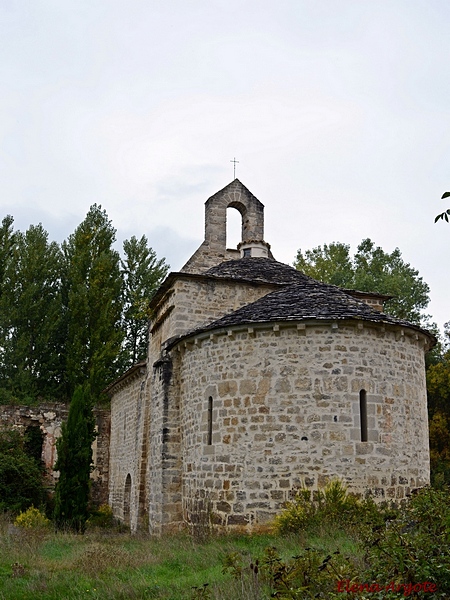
259,380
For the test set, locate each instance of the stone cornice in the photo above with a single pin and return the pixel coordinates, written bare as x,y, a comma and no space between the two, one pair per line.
133,372
194,338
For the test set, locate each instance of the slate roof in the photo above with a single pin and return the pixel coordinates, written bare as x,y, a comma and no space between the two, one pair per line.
300,298
265,270
306,300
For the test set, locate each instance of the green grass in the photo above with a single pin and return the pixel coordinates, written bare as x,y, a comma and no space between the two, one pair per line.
105,565
365,543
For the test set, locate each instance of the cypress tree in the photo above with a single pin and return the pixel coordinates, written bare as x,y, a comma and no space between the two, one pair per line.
74,463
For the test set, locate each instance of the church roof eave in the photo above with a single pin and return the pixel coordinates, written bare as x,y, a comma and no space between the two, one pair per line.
307,300
175,275
254,271
130,374
307,319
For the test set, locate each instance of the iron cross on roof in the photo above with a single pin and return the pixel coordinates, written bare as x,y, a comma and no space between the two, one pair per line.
234,161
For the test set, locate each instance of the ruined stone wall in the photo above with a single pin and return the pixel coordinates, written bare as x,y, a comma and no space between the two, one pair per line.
49,418
286,412
100,456
128,449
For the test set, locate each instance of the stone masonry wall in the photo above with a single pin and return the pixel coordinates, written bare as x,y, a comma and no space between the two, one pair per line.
192,303
128,451
140,404
213,249
286,412
165,460
49,418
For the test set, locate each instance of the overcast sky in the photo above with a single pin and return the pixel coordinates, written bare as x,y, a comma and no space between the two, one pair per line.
338,112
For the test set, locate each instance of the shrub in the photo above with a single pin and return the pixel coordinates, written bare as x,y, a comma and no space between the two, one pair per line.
31,519
312,573
415,546
101,517
334,504
21,482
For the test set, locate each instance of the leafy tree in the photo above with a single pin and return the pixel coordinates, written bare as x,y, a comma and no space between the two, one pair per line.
93,302
445,214
142,273
21,483
438,385
31,365
439,447
438,390
71,315
369,270
7,241
74,463
330,264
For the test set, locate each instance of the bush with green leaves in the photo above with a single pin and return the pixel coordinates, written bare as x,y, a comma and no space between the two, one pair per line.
21,483
415,546
333,504
32,518
101,517
402,547
311,573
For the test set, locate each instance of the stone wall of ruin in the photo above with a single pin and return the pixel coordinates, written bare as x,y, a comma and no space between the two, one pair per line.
49,418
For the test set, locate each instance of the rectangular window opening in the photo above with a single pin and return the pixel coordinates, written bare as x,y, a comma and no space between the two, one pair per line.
363,414
210,419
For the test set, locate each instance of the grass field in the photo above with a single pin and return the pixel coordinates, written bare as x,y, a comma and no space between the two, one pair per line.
104,564
329,539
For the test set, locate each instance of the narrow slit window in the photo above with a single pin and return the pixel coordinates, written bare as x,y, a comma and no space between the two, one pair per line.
363,414
210,420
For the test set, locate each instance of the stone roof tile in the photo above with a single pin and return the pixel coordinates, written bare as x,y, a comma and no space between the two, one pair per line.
265,270
305,300
301,297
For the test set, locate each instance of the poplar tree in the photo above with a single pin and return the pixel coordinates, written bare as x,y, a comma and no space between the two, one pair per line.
6,247
142,274
74,463
93,303
31,315
7,240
